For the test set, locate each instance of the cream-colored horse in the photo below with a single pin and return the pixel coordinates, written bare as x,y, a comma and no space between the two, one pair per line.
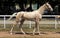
33,16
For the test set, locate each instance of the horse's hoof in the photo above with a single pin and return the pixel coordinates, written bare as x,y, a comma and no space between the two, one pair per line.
24,33
33,33
39,33
11,33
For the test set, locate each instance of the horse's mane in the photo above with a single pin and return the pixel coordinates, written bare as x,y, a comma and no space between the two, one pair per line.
41,6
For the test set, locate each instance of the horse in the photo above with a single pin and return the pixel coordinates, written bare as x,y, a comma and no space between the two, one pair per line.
35,16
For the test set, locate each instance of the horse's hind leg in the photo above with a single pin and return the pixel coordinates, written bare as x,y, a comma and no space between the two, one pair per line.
21,23
11,30
16,22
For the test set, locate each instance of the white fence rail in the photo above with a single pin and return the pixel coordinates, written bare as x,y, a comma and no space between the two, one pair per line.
4,21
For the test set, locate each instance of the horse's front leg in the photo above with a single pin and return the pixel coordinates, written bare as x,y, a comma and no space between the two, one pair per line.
36,26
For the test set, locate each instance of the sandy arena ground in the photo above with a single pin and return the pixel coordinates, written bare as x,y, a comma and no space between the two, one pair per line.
44,34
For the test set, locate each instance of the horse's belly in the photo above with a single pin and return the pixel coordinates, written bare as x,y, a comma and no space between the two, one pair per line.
29,18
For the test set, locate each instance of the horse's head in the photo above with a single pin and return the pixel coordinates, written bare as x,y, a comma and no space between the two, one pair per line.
48,6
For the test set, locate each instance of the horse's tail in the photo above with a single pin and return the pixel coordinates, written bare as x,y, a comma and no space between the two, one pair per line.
12,16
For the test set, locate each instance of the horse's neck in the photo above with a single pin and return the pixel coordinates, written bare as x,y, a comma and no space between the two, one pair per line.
41,9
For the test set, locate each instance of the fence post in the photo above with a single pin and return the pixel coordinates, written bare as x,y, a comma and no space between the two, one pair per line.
30,25
4,22
55,23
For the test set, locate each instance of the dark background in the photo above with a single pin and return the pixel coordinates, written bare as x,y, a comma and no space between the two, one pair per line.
7,7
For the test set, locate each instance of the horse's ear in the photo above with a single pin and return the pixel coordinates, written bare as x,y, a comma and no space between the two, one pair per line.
47,2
